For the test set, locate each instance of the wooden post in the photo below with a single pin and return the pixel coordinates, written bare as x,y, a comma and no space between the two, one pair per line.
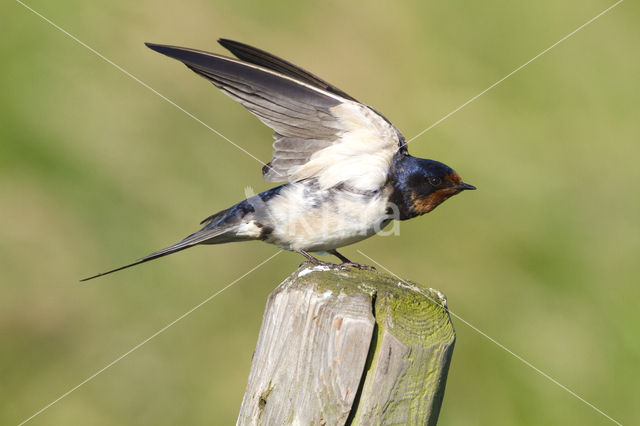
349,347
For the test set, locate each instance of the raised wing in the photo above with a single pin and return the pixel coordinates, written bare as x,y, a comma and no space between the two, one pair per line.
318,132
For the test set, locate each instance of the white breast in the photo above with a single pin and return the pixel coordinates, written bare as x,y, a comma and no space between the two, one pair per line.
304,217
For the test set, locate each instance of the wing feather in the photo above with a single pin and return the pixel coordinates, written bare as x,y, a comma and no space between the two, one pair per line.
320,132
265,59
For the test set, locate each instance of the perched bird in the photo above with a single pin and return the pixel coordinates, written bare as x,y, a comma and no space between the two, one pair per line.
347,168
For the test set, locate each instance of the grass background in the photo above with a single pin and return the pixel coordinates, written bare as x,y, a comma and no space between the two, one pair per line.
96,170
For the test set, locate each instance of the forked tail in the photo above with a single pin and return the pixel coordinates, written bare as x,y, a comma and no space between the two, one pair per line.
204,235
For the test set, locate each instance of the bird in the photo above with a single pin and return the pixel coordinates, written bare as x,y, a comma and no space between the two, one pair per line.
346,168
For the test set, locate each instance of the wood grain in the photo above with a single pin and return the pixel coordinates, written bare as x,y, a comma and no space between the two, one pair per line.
349,347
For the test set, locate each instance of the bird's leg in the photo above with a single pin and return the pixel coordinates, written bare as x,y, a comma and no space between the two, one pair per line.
316,262
310,258
347,262
339,256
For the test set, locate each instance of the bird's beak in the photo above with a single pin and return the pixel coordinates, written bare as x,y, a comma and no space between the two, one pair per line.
464,186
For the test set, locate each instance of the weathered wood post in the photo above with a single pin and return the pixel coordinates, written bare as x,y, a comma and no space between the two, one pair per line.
349,347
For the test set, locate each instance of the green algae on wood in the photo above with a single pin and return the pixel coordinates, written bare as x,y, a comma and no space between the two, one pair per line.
349,346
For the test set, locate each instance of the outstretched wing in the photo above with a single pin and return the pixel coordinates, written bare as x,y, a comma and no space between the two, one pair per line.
319,133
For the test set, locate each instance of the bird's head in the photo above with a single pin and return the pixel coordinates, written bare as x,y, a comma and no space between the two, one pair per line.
421,185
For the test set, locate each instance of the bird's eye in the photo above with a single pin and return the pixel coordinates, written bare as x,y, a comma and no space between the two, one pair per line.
435,180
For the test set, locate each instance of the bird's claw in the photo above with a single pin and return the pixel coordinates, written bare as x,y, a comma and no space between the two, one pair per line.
343,265
357,266
313,263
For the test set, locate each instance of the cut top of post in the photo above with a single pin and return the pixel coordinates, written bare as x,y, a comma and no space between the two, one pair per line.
348,346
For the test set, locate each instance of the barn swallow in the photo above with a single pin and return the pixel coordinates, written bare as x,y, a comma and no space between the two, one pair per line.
347,169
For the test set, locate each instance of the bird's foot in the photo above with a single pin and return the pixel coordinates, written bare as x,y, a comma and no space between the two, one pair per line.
346,263
338,266
357,266
312,263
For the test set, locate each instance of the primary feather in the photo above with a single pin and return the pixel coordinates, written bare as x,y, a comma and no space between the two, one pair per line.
265,59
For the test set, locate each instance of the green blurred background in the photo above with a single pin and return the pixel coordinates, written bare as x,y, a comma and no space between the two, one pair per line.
96,170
